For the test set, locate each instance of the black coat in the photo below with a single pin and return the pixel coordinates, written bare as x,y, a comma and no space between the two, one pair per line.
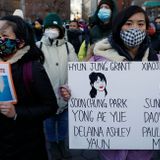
155,42
75,37
23,138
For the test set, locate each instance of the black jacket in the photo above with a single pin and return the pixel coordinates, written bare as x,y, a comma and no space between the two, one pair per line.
100,30
23,138
75,37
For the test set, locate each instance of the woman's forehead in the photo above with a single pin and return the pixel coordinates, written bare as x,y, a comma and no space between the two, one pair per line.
5,27
104,6
137,16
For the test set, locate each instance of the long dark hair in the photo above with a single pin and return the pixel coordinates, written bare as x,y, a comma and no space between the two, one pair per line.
93,77
121,19
24,32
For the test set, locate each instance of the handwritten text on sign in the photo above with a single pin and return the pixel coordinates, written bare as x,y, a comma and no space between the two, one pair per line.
114,105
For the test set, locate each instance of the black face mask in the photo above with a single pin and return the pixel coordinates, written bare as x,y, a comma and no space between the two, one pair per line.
75,31
8,47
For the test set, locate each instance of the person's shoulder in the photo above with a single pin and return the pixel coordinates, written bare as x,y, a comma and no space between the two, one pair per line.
37,65
102,42
68,45
95,27
102,46
39,44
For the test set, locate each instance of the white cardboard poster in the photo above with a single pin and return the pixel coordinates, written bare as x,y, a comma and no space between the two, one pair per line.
114,105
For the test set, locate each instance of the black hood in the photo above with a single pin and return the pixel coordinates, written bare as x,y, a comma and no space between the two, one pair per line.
113,7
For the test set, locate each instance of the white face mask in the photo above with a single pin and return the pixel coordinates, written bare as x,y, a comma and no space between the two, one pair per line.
132,37
51,33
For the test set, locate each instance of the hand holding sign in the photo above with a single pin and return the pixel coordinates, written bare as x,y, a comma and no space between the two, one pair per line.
7,109
65,92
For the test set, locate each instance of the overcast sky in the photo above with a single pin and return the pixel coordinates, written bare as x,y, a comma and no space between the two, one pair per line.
76,5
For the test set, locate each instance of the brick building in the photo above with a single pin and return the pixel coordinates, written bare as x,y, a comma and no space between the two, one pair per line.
36,8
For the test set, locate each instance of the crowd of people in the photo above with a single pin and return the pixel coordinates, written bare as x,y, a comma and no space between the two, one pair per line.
36,127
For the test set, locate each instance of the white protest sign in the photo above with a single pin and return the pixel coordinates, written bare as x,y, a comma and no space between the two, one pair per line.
114,105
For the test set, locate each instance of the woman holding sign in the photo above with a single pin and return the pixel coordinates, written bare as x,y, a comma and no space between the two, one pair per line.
128,42
21,124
